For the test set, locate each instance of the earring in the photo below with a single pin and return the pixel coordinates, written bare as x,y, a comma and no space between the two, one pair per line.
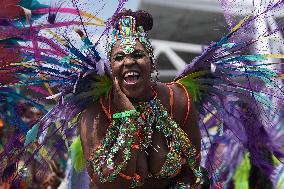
154,73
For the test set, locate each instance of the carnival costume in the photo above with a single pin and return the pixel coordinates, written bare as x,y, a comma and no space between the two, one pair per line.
230,91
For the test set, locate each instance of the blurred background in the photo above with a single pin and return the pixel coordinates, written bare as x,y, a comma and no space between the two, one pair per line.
183,28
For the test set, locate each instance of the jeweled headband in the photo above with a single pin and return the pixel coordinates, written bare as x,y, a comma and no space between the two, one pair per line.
127,32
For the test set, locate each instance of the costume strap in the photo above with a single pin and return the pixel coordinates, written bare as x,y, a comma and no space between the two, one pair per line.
106,111
171,100
188,101
188,104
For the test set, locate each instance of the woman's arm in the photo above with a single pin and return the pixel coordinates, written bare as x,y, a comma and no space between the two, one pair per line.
93,128
188,120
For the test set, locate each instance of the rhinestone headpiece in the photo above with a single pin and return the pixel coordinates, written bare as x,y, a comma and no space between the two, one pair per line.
127,32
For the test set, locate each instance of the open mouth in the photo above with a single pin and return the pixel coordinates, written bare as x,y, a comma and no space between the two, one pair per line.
131,77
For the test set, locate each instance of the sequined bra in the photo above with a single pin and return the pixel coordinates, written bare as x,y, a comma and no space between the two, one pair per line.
122,136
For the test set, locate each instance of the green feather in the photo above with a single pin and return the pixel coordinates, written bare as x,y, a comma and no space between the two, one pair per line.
102,86
241,176
280,184
192,85
99,86
77,157
75,119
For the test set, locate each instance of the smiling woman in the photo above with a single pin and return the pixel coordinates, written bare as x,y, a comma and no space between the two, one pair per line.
136,132
133,70
145,134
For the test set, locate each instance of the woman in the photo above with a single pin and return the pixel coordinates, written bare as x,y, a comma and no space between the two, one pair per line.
154,162
145,133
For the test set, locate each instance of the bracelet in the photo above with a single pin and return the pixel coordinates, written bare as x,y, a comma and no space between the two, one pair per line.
123,114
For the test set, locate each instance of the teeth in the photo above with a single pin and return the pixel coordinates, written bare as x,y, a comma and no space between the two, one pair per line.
131,74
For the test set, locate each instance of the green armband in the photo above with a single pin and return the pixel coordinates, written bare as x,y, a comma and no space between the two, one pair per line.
123,114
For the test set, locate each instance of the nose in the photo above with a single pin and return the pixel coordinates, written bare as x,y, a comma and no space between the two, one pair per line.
129,60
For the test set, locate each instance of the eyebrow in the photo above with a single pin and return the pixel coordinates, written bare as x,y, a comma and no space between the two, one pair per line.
120,51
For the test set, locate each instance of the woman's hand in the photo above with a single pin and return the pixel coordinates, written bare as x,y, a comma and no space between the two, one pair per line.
121,101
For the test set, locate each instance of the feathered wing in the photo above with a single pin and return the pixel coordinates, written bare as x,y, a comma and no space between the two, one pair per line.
233,90
41,59
230,90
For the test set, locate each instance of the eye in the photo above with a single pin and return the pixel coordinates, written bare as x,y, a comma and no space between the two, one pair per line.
118,58
138,54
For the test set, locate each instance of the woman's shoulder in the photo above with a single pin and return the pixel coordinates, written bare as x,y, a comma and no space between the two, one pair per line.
175,98
91,108
92,127
175,87
95,108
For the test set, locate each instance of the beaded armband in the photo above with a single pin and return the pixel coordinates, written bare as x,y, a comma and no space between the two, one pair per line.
120,137
123,114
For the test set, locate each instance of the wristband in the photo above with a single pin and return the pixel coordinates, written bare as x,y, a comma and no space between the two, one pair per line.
123,114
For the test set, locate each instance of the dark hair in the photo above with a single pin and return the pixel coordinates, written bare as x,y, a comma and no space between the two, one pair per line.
143,18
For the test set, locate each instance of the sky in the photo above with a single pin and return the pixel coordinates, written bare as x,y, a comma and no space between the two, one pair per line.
101,8
109,8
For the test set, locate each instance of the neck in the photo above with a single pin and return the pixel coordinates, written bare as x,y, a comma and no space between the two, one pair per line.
149,94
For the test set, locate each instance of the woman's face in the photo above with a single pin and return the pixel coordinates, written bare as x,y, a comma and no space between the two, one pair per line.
133,71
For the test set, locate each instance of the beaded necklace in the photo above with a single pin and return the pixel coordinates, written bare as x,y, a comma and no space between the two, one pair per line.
126,132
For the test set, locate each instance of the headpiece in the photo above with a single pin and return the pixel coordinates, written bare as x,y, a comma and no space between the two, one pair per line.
128,32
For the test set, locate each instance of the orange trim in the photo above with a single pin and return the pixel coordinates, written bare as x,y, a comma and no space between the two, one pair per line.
197,156
155,93
137,177
188,104
171,100
188,101
104,108
109,111
126,177
1,123
135,146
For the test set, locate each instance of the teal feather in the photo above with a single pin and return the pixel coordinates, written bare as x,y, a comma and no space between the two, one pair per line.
267,72
31,135
263,99
32,4
222,41
254,58
228,45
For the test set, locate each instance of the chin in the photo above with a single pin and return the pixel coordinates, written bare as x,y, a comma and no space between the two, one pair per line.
136,90
135,93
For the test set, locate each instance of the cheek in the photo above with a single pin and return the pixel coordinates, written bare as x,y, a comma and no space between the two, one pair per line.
114,69
147,68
